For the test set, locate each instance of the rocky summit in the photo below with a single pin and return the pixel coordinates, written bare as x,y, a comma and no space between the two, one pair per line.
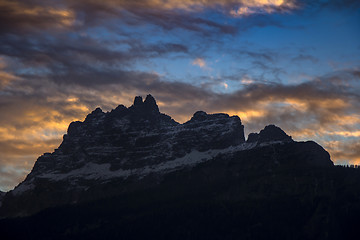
125,143
129,168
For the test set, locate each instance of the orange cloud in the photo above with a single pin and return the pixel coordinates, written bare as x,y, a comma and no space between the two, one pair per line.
346,133
5,77
243,7
344,151
37,14
199,62
261,6
192,5
248,115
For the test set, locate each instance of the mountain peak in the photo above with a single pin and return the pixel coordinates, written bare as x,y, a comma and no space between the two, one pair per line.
199,115
150,103
94,115
147,106
268,134
138,101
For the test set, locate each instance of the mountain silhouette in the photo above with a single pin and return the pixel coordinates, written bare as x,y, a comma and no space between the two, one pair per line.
135,173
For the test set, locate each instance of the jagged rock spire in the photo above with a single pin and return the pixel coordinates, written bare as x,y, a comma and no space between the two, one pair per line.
150,103
147,106
138,101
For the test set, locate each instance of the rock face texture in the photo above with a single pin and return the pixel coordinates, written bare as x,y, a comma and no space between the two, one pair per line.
132,149
135,137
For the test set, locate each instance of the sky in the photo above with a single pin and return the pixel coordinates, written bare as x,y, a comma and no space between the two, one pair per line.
293,63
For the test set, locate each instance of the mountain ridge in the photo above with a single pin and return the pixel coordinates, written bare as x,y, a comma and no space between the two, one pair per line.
135,173
130,144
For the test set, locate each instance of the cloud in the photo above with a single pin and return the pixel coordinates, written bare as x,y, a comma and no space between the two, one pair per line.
247,81
11,176
21,16
24,16
262,6
194,5
199,62
5,77
304,57
343,151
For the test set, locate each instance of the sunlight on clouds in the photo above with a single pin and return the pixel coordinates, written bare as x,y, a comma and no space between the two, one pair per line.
72,99
21,144
249,115
247,81
319,118
346,133
195,4
344,151
199,62
346,121
324,104
5,77
331,103
61,17
261,6
243,7
296,104
66,17
225,85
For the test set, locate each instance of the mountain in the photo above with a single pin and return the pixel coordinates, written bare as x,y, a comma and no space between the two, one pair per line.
126,144
135,173
2,194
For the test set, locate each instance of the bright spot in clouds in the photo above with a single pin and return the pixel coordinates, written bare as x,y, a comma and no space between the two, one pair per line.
247,81
261,6
199,62
225,85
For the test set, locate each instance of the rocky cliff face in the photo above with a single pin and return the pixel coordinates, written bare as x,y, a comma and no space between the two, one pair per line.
128,149
118,143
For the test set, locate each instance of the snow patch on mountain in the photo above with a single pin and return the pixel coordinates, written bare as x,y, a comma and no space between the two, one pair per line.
93,171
